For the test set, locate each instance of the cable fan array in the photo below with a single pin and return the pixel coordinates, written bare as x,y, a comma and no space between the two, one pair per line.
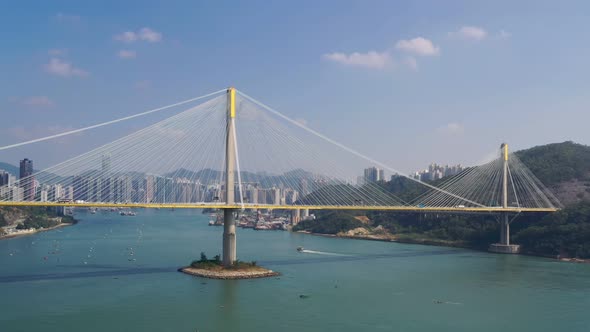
482,186
280,163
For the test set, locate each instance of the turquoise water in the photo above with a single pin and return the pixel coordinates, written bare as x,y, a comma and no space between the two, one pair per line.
351,285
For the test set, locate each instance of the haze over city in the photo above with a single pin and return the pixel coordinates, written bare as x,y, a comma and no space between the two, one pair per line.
410,80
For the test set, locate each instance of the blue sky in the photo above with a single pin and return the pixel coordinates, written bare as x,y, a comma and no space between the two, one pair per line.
407,83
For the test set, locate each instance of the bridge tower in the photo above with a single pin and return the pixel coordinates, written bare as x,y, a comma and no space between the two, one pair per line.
504,246
229,222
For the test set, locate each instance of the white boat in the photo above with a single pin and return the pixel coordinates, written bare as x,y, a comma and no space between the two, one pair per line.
127,213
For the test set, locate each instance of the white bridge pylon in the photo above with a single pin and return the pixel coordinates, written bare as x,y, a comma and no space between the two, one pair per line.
278,163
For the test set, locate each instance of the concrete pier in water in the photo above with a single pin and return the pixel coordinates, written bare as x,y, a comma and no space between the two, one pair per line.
504,247
229,222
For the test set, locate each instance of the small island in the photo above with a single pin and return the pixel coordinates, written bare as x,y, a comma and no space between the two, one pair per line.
214,269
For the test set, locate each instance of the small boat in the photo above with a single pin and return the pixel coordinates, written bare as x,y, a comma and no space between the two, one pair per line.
127,213
300,249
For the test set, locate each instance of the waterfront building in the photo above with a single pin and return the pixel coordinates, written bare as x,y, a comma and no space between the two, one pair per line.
17,194
276,194
149,188
58,192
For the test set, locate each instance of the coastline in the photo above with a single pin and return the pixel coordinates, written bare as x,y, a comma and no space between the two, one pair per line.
229,274
437,243
39,230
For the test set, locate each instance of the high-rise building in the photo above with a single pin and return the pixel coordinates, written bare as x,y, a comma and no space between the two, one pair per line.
27,181
276,195
3,178
373,174
436,171
149,189
106,164
11,180
58,192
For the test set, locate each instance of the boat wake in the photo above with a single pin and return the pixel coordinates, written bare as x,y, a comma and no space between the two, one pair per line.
322,253
446,302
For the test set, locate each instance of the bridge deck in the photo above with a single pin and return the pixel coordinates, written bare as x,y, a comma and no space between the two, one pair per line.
284,207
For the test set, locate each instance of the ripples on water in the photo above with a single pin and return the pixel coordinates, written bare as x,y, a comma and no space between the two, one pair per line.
112,273
114,270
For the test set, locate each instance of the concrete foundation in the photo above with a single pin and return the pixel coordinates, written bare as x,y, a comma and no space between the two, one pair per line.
504,248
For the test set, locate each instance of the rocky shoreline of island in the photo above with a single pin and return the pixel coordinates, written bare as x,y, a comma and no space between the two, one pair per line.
229,274
215,269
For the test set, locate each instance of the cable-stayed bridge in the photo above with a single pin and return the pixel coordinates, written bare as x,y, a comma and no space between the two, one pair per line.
233,152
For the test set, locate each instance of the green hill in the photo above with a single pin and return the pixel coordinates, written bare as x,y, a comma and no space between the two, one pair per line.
563,167
10,168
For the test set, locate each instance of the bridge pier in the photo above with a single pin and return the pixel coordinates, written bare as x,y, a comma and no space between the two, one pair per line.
229,237
504,247
505,231
229,222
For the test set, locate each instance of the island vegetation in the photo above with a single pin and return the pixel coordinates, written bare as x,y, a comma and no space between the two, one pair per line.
563,167
216,264
214,268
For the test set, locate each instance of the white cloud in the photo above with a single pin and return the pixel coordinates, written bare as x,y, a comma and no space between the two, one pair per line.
452,128
371,59
150,35
67,18
418,46
470,32
145,34
57,51
126,37
38,101
127,54
59,67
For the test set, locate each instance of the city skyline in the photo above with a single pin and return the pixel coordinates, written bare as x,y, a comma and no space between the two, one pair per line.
84,67
185,186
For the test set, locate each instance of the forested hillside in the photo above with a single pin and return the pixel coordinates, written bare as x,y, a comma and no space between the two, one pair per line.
562,167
